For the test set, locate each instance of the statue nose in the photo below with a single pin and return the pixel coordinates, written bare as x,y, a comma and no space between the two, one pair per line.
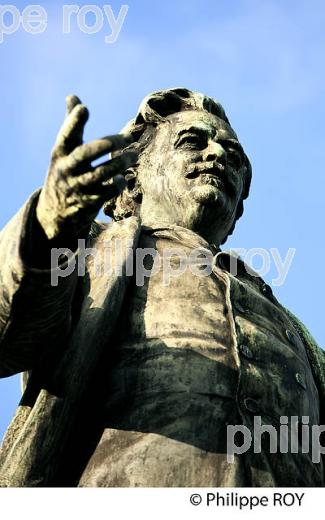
215,152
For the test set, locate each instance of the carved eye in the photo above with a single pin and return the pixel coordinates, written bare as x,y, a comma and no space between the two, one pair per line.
234,158
192,142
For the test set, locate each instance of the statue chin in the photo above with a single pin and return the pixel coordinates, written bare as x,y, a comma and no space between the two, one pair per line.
207,194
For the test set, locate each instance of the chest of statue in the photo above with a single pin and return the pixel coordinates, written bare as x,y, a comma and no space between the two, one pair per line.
213,335
191,357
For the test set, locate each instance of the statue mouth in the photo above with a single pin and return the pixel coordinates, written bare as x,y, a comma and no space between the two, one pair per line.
212,173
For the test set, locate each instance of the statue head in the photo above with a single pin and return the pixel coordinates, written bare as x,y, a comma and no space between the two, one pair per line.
191,169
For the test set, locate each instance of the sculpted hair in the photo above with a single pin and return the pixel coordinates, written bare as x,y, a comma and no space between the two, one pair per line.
153,111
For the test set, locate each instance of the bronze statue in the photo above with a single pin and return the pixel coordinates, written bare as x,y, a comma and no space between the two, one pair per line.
135,384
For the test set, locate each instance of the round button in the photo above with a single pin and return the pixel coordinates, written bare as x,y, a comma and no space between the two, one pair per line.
300,380
251,405
246,351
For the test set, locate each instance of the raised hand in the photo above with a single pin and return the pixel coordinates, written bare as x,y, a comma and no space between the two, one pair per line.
74,190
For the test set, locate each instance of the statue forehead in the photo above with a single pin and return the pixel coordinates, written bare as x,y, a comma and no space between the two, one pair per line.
200,119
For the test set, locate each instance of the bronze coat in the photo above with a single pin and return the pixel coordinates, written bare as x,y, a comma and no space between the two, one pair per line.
60,332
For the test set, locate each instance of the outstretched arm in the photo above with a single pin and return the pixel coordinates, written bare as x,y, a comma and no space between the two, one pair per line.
35,316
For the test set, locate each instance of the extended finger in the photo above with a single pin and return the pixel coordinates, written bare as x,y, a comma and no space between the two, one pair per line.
71,130
71,102
115,188
92,182
89,152
100,192
116,166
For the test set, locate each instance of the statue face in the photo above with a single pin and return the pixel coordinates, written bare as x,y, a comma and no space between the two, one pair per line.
191,174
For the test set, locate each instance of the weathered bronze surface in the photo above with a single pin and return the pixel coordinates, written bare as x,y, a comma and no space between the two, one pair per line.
134,384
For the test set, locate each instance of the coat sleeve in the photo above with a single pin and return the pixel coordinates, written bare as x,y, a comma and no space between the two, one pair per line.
35,313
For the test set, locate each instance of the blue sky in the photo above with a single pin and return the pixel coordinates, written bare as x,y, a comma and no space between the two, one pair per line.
263,60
